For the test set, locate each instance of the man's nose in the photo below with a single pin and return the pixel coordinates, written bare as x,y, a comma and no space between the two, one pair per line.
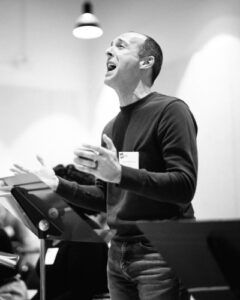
109,51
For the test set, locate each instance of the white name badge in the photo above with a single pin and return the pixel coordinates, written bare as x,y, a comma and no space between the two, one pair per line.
129,159
51,256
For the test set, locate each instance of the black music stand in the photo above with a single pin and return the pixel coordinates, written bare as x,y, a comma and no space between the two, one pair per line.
205,255
48,216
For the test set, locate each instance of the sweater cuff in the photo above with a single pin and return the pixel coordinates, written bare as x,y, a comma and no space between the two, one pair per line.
64,187
130,178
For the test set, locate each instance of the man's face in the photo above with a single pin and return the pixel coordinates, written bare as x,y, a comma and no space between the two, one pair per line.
123,60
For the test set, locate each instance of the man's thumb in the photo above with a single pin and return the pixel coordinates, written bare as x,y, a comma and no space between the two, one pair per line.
109,143
40,160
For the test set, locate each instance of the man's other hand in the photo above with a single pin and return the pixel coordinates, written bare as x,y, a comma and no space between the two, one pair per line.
44,173
98,161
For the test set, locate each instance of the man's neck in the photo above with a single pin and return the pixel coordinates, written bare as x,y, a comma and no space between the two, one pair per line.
127,97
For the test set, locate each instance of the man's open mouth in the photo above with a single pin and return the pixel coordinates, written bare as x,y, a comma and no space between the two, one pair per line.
111,66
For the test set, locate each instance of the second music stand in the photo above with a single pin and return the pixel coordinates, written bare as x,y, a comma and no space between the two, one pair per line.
48,216
205,255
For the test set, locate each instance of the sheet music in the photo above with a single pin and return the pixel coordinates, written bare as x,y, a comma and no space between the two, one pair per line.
9,260
7,202
4,194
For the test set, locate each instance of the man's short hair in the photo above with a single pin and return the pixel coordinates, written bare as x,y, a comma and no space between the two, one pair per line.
151,47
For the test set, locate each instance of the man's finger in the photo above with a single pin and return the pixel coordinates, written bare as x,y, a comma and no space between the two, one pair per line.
96,149
20,169
109,143
15,171
84,169
40,159
84,154
89,163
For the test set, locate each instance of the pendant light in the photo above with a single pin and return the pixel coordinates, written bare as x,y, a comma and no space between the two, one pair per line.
87,25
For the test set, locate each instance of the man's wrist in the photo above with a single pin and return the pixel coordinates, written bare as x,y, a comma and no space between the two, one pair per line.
54,184
118,178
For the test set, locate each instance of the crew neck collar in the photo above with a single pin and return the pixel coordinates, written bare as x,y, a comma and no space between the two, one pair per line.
136,104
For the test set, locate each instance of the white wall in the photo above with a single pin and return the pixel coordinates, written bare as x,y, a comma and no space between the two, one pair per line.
52,96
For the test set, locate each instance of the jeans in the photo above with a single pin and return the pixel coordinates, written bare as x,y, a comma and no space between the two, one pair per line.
136,271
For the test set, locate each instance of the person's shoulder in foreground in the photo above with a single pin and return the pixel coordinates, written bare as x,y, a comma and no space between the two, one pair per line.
11,286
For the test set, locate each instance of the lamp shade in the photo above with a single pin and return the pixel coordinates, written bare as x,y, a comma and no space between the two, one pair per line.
87,25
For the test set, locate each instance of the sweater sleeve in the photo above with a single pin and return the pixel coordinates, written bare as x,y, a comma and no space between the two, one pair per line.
176,141
86,196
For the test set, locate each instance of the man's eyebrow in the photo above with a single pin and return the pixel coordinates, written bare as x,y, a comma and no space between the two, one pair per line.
118,40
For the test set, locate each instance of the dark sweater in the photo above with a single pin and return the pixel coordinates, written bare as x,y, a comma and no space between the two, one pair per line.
163,130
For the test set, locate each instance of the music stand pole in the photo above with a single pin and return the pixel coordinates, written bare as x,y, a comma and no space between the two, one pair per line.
43,226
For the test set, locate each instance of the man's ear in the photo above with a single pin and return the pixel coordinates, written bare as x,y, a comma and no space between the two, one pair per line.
147,62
